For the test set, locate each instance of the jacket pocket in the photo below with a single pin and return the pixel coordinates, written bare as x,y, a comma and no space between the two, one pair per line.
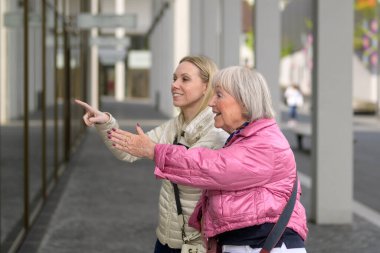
243,203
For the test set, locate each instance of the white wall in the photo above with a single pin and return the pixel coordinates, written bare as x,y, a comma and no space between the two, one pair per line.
364,83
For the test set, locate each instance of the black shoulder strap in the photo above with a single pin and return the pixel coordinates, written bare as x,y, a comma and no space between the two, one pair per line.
177,199
279,228
175,186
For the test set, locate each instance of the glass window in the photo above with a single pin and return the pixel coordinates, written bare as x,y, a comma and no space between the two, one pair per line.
11,123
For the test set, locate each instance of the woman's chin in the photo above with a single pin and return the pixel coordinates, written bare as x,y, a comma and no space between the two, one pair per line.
217,124
177,103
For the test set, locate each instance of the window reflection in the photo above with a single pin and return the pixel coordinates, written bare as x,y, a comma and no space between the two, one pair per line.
35,106
50,97
11,127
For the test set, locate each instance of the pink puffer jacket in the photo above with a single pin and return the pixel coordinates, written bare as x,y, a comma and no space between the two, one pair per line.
248,182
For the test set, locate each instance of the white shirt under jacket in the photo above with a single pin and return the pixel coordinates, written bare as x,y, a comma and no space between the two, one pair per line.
200,132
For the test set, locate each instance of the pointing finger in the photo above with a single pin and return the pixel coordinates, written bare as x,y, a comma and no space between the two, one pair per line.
84,105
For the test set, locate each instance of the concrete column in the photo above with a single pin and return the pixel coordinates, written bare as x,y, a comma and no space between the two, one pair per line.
181,29
267,46
332,151
170,41
163,44
215,29
120,65
3,87
155,47
168,56
94,62
196,29
231,32
205,28
211,29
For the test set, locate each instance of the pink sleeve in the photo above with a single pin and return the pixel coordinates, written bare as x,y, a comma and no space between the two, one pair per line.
232,168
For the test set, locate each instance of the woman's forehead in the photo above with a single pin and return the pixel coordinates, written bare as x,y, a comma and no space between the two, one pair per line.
186,68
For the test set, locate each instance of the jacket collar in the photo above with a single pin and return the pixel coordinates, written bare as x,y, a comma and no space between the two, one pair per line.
256,126
252,128
197,127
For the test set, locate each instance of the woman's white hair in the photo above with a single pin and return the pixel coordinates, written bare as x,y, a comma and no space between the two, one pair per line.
249,89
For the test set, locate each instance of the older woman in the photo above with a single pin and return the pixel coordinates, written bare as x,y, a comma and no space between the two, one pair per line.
248,182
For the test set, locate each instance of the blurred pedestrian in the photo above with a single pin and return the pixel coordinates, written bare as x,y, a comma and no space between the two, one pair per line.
294,100
248,183
193,127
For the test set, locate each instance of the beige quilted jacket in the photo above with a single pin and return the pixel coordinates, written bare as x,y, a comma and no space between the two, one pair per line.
200,132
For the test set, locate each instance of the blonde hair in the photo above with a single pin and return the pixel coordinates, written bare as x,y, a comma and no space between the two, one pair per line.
207,69
249,89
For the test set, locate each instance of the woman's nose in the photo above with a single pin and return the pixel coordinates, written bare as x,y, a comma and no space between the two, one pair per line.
175,83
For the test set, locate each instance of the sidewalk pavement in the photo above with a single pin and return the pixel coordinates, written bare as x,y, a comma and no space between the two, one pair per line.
103,205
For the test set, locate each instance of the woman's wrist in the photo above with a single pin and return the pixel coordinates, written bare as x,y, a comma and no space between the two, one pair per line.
106,118
151,151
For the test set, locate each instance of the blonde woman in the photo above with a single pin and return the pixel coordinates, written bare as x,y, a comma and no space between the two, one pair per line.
193,127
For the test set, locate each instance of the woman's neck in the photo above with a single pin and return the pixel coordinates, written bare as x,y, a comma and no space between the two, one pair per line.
189,114
239,125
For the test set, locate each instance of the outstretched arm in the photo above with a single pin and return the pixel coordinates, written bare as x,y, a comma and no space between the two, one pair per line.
92,115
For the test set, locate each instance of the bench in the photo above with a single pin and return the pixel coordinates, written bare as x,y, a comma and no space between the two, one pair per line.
301,130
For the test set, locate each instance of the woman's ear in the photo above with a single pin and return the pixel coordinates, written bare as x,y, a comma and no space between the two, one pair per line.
205,88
